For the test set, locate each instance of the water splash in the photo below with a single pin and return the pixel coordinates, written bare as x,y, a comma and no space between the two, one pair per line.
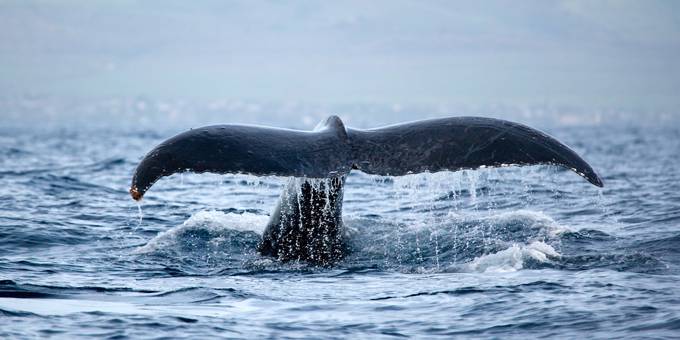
216,225
512,259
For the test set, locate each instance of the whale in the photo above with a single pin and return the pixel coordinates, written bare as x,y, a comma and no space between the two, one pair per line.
306,223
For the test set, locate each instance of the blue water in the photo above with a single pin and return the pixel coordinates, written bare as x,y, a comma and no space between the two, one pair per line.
513,252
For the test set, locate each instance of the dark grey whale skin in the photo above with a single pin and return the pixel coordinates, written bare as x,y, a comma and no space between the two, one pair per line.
307,222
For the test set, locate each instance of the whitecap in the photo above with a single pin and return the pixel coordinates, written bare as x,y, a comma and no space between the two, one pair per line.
511,259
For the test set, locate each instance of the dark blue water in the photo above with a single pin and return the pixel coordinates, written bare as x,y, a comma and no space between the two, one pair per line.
513,252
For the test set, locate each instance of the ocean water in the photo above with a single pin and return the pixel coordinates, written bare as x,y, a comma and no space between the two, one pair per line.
507,253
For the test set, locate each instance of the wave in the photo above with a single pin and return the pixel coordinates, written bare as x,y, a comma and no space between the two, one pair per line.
527,219
12,289
512,259
467,290
193,294
92,167
214,242
209,228
456,242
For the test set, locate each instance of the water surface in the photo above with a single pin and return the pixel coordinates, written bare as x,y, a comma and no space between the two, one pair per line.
516,252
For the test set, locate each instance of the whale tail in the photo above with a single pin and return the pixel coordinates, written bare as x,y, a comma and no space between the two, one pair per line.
307,222
331,150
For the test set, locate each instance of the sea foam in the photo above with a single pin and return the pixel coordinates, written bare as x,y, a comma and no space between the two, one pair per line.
512,258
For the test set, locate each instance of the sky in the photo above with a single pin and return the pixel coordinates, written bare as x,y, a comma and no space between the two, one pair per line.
614,54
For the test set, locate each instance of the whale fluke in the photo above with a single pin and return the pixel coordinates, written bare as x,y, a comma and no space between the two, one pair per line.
245,149
459,143
307,223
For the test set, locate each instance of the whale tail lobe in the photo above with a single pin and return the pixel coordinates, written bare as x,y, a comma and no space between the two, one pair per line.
459,143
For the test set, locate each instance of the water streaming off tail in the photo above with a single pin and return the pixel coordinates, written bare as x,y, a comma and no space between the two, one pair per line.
425,222
140,213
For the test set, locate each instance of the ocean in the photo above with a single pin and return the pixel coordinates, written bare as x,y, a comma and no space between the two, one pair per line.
493,253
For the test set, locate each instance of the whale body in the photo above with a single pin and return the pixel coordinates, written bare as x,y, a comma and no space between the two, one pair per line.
306,224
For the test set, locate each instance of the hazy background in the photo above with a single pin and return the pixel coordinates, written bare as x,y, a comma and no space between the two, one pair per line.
275,60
